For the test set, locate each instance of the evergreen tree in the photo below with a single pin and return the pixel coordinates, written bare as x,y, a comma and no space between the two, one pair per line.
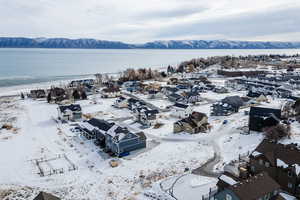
76,95
49,97
83,95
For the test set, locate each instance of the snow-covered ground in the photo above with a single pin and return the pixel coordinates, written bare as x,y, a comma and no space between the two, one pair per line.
40,136
36,134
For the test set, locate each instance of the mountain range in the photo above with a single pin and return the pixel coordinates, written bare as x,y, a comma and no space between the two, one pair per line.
21,42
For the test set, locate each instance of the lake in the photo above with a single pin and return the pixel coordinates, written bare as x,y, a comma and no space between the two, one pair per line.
27,66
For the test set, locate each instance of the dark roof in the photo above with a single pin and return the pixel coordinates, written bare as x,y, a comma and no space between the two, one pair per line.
111,89
235,101
198,116
255,187
265,112
191,94
151,112
38,91
45,196
57,91
101,124
72,107
172,89
121,98
188,121
133,101
289,154
152,92
180,105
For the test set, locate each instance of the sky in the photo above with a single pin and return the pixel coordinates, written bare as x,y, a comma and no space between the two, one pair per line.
138,21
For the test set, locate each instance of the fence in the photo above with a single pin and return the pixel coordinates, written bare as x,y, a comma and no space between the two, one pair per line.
212,192
44,172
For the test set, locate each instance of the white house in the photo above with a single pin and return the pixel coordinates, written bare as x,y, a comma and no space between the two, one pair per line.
71,112
152,94
111,92
121,102
146,116
181,111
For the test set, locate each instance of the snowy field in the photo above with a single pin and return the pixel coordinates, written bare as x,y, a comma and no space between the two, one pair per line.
37,136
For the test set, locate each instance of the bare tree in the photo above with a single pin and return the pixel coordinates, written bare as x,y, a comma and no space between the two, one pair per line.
277,132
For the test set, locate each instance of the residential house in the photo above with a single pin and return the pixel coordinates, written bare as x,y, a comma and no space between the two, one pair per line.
175,97
220,90
112,137
209,87
183,86
121,102
96,129
281,162
111,92
198,88
283,93
181,111
260,186
195,123
46,196
37,94
227,106
120,141
191,97
169,90
134,103
132,86
71,112
154,94
85,82
173,81
227,179
145,116
57,95
260,117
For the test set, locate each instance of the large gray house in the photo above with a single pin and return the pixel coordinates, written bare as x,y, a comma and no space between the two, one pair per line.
120,141
111,137
261,187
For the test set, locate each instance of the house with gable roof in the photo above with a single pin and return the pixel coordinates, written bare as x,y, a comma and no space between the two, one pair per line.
260,186
193,124
180,110
119,140
280,161
71,112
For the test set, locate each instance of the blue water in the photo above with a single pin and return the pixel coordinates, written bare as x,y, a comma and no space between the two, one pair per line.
26,66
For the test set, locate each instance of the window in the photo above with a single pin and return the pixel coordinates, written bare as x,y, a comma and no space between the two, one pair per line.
228,197
267,197
261,162
252,168
290,185
267,164
289,173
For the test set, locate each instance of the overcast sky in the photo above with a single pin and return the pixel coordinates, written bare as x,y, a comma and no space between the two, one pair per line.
138,21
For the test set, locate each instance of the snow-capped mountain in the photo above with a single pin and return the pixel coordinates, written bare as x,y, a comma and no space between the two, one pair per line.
60,43
219,44
11,42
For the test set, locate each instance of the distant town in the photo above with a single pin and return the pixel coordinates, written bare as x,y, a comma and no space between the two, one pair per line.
224,127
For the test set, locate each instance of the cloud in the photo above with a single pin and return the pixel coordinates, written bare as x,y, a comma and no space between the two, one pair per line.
171,13
245,25
140,21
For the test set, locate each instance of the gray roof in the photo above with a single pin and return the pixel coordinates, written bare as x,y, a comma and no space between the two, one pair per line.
45,196
72,107
234,101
